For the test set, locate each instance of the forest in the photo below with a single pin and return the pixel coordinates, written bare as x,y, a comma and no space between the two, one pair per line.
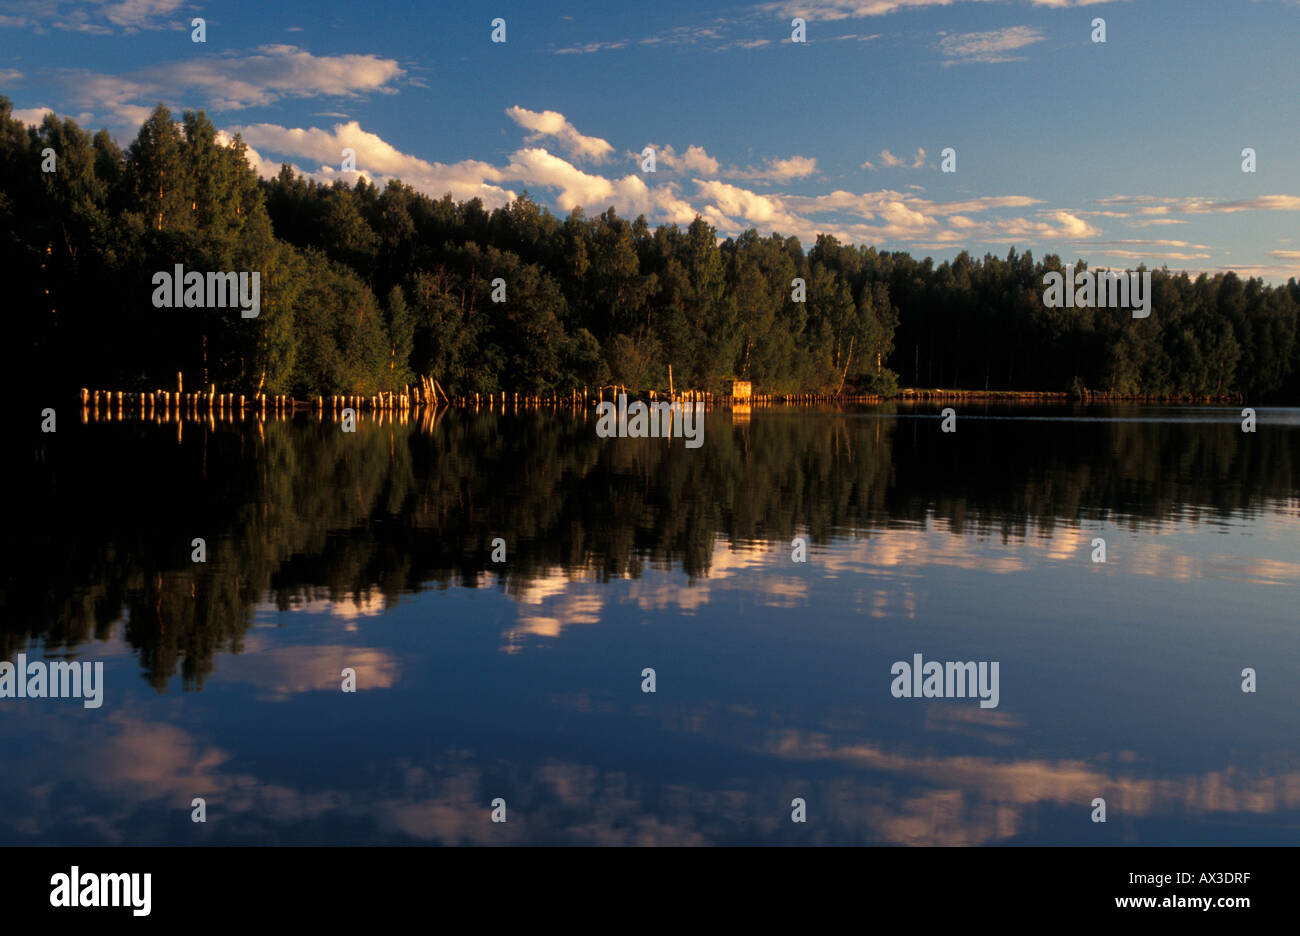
363,290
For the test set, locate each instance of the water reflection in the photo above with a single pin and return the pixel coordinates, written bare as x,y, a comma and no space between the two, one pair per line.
373,551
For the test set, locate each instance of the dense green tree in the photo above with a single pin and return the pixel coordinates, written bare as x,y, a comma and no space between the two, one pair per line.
590,299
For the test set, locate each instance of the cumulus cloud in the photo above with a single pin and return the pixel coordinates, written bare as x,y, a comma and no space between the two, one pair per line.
537,167
32,116
326,146
375,158
778,170
630,195
1049,226
551,123
696,159
882,216
764,210
890,161
264,76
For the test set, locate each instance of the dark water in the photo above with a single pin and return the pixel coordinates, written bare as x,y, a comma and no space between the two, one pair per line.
523,679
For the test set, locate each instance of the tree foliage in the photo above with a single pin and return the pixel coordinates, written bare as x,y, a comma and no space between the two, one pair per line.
363,290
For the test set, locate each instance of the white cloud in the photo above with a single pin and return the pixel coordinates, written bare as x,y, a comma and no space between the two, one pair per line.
832,10
677,36
743,44
1052,225
990,46
1268,272
683,35
696,159
95,18
554,124
890,161
539,168
264,76
629,195
764,210
32,116
778,170
326,146
8,75
588,47
1152,244
376,159
1161,205
1150,255
869,204
141,14
875,217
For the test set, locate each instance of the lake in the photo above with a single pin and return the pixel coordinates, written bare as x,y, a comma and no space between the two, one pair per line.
523,680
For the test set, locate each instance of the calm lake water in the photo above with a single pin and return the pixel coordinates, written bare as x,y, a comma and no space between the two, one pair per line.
523,680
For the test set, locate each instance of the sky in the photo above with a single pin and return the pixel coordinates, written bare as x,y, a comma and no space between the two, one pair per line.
1120,153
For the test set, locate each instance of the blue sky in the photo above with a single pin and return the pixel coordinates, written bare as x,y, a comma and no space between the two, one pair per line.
1120,153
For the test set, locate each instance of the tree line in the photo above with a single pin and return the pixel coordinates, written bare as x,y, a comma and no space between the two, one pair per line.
363,290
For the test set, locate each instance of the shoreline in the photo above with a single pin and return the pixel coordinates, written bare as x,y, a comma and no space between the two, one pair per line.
413,398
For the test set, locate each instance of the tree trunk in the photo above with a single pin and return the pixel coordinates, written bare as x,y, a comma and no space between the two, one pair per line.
847,362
